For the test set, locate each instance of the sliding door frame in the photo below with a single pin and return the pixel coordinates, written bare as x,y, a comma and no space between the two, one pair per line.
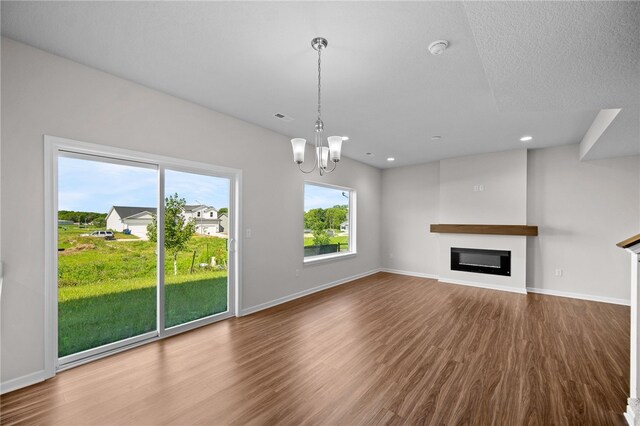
53,146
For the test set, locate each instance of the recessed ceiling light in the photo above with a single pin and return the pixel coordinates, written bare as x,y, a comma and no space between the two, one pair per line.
436,138
526,138
369,153
345,138
391,159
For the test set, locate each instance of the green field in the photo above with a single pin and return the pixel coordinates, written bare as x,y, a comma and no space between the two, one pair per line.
107,289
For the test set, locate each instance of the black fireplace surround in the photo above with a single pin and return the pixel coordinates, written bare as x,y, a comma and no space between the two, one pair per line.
494,262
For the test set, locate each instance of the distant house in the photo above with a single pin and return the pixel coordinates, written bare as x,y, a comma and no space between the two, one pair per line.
224,223
344,227
205,218
135,219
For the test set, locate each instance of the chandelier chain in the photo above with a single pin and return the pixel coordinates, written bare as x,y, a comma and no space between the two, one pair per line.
319,83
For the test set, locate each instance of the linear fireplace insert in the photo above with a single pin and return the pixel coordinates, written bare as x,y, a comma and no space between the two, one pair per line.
495,262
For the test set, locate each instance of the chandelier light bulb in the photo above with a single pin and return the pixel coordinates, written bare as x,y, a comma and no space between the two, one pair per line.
323,156
298,145
335,146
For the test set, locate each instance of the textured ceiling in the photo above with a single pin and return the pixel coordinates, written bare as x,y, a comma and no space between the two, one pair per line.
499,79
565,56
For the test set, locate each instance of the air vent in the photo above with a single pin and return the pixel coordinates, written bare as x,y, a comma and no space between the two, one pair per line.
283,117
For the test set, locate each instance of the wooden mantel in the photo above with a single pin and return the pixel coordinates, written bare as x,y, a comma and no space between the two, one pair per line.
526,230
631,241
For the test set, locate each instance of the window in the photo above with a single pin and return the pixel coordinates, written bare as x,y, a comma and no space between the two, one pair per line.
198,214
210,214
329,221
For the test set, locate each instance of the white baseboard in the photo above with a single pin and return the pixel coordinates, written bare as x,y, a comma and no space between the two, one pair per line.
281,300
633,406
23,381
411,274
629,417
581,296
483,285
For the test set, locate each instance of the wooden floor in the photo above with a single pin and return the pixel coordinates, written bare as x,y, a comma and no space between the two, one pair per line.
384,349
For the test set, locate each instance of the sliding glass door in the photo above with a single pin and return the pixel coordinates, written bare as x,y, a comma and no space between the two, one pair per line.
106,264
195,239
129,268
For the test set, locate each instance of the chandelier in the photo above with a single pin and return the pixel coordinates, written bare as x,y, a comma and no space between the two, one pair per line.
324,153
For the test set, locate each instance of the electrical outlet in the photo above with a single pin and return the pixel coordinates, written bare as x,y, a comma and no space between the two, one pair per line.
247,233
480,188
558,272
297,272
475,188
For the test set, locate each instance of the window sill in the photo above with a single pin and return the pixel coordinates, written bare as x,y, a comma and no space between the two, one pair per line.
328,257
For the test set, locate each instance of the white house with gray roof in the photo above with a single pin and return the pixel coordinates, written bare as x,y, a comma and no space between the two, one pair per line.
205,218
135,219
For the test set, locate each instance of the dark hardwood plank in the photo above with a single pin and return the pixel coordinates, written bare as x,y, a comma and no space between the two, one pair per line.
386,349
526,230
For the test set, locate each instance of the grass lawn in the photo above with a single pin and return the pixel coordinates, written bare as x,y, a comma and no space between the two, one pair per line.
344,239
107,289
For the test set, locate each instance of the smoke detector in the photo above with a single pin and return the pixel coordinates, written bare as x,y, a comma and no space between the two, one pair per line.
438,47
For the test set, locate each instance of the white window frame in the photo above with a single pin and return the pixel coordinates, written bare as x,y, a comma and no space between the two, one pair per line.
352,225
53,147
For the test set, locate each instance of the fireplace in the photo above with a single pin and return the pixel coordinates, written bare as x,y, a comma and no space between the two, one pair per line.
481,261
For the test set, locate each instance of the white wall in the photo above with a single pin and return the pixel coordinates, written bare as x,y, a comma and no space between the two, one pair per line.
410,204
114,222
46,94
504,198
582,209
485,189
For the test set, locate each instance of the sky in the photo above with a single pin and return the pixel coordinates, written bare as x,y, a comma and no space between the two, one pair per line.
95,186
322,197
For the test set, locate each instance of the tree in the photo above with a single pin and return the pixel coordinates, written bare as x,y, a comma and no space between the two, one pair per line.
314,218
82,217
335,216
177,230
223,210
320,237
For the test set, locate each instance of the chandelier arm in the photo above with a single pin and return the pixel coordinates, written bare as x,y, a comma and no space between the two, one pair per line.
335,165
315,165
315,158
